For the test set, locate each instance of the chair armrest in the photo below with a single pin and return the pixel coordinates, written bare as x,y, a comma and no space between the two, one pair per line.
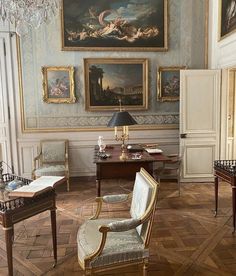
109,199
123,225
116,198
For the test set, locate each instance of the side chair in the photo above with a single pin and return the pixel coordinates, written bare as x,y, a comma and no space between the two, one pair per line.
52,160
170,169
112,243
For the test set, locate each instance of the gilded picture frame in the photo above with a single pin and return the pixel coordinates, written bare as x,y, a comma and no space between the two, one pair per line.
107,81
114,25
227,18
58,84
168,80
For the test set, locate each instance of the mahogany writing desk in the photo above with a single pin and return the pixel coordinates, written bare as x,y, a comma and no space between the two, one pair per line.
226,171
114,168
14,210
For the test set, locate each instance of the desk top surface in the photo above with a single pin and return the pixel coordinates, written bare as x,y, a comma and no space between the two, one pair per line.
114,152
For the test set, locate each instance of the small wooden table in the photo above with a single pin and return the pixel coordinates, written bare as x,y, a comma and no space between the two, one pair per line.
114,168
226,171
20,208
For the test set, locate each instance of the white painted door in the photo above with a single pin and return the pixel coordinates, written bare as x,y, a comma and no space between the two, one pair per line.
5,138
199,123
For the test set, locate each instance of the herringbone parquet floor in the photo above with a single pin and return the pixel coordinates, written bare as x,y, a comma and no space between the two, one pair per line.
187,239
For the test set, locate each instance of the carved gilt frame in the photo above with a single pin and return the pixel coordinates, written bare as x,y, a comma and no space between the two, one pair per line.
58,84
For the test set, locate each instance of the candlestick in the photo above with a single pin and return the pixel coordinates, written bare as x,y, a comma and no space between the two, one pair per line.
124,128
122,119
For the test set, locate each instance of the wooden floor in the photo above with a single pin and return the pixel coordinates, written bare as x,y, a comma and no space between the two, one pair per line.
186,240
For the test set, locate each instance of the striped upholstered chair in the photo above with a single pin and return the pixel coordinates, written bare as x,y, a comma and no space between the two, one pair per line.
105,244
52,160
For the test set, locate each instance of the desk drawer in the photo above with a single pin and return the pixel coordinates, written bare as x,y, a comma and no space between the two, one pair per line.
122,170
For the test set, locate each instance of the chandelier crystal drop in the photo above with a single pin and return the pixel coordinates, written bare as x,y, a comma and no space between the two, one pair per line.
28,14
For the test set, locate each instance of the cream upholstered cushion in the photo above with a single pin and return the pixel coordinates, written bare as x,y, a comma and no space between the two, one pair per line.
53,170
119,247
141,198
124,225
53,151
115,198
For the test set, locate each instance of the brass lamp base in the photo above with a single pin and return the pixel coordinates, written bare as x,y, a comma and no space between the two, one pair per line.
123,156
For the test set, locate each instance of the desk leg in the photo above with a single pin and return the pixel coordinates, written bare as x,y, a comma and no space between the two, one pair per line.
54,235
9,240
216,194
98,185
234,205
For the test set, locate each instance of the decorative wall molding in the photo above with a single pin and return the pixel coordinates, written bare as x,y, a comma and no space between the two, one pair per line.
48,122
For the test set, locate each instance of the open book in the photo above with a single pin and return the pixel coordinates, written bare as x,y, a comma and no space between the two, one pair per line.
38,186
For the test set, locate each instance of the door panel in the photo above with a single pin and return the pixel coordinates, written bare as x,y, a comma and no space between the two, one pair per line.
200,122
5,148
203,155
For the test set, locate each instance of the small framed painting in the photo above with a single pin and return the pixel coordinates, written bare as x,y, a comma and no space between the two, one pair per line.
169,83
227,18
109,81
58,84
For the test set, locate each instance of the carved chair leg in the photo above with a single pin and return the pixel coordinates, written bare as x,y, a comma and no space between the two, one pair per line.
88,272
179,185
145,267
68,184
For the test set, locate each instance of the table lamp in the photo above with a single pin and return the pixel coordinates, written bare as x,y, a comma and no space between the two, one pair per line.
122,119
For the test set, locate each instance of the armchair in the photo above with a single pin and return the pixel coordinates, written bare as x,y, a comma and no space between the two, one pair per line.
52,160
106,243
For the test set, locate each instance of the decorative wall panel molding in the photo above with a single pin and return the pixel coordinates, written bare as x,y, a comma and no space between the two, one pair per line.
81,149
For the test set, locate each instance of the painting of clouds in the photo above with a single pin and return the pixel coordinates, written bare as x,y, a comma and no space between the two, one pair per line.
114,24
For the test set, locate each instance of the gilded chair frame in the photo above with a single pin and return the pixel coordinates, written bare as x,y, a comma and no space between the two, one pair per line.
37,161
148,216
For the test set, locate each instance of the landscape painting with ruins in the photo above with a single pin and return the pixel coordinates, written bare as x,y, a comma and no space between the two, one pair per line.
109,80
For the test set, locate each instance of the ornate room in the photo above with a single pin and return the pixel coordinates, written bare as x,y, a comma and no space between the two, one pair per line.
102,173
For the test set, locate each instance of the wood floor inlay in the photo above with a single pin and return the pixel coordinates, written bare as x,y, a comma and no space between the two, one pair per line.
187,239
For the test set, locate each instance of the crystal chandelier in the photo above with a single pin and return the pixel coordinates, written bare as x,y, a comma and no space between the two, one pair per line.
28,13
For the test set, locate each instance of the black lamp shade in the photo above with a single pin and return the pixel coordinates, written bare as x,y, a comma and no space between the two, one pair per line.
122,118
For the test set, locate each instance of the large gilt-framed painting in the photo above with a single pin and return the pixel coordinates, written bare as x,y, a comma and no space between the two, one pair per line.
227,18
133,25
113,80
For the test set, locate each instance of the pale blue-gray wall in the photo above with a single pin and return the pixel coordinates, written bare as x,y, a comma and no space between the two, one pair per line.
186,39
